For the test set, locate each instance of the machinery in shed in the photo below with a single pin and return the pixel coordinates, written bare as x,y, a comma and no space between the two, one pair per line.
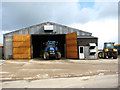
27,46
51,50
27,43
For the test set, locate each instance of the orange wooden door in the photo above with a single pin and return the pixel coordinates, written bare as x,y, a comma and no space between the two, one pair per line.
21,47
71,45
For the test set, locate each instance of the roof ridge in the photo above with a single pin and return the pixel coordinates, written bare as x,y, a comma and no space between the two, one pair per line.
44,23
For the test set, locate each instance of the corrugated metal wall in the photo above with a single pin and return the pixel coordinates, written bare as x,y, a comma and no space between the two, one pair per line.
86,41
8,46
39,29
36,29
87,54
1,52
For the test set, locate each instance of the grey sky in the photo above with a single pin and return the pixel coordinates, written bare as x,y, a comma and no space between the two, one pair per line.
16,15
21,14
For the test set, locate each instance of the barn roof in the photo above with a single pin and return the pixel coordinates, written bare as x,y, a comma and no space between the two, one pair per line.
50,23
86,37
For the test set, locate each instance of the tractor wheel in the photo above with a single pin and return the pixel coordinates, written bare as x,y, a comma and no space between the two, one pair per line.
46,55
109,56
100,55
58,55
115,56
105,55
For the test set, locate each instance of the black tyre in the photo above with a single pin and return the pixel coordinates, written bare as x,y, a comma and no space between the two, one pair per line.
46,55
58,55
105,55
109,56
114,55
100,55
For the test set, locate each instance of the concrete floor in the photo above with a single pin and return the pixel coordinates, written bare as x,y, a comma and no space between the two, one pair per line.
59,73
107,81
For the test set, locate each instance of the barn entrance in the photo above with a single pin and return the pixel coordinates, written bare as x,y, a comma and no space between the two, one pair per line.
38,44
31,46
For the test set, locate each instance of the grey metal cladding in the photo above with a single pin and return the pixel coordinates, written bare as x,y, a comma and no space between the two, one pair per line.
38,29
1,52
8,47
86,41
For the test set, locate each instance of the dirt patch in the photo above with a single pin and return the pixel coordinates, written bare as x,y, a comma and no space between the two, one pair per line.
40,69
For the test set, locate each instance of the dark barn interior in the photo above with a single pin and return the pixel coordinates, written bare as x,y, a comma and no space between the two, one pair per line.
39,46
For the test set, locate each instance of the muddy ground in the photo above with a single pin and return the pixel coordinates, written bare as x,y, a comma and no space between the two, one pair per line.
41,69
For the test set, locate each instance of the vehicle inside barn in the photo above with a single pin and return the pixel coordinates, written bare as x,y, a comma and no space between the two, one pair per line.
29,42
38,44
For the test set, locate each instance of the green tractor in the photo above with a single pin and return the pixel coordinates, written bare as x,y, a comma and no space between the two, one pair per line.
109,51
51,50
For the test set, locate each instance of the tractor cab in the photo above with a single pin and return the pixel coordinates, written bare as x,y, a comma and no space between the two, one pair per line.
51,46
109,45
109,50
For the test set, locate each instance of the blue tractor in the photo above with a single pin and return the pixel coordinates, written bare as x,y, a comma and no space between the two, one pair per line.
51,50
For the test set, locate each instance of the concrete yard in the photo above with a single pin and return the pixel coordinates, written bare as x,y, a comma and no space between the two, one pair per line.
66,73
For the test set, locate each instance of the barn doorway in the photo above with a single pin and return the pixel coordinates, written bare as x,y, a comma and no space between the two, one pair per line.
38,46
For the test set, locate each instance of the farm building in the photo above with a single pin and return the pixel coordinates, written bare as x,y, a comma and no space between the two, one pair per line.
28,42
1,50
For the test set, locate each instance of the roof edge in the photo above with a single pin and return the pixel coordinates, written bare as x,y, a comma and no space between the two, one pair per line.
45,23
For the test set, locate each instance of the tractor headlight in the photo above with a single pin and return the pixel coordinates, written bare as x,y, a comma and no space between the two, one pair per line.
106,50
115,50
52,51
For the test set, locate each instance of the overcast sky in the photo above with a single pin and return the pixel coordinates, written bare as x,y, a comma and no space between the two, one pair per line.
99,18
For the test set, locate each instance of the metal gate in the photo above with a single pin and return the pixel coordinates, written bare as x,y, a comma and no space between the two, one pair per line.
71,45
21,47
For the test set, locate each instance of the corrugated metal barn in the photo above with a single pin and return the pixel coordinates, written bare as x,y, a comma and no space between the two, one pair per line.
26,43
1,51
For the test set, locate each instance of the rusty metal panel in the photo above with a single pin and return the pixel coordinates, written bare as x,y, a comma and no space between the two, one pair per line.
21,50
71,36
21,38
21,44
22,56
71,45
21,47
